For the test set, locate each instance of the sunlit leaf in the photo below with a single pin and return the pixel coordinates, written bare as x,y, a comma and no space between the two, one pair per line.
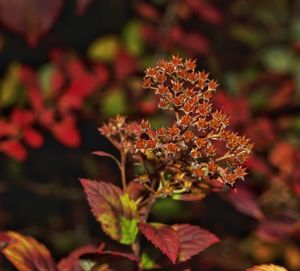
267,267
278,59
114,103
103,49
27,254
193,240
9,86
132,38
115,211
163,237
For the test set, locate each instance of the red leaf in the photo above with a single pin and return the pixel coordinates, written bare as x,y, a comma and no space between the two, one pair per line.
244,201
33,138
14,149
66,132
125,64
32,18
101,73
195,43
193,240
26,254
274,231
82,5
111,260
71,262
163,237
8,128
113,209
22,117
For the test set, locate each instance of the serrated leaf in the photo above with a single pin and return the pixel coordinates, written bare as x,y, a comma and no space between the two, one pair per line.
113,209
26,253
193,240
267,267
103,49
163,237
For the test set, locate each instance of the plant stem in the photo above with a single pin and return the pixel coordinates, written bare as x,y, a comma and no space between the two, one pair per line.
123,171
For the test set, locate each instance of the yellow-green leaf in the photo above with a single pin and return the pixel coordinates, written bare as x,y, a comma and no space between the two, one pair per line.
113,209
103,49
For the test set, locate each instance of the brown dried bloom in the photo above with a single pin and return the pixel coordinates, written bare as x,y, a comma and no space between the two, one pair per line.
182,160
120,133
198,145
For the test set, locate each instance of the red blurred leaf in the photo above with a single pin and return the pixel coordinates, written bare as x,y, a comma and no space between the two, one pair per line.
163,237
147,11
66,132
22,117
71,262
125,64
27,254
102,74
282,156
32,18
8,128
245,202
195,43
82,5
113,209
14,149
274,231
283,95
205,11
193,240
33,138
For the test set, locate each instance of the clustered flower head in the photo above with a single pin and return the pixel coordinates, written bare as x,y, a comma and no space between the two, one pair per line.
197,146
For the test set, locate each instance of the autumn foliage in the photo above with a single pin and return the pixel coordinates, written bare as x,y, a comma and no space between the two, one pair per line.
188,173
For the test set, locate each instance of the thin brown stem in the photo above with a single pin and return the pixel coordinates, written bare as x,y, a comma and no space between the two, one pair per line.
123,170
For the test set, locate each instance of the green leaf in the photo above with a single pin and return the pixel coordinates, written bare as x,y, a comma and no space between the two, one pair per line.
10,86
44,77
114,103
278,59
113,209
103,49
87,264
147,262
247,35
132,38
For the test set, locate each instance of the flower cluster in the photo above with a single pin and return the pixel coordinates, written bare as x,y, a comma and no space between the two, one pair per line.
197,146
120,133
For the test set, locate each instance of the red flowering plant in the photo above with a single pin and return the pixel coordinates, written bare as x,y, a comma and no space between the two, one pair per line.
195,155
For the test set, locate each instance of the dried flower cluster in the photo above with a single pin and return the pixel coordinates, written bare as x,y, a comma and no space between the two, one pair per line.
197,146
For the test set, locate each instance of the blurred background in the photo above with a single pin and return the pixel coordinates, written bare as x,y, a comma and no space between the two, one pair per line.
66,66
